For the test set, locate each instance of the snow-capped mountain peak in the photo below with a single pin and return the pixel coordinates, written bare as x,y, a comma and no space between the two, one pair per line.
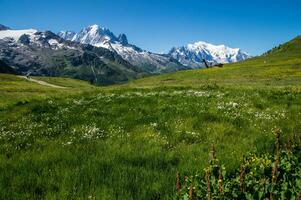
193,54
123,39
16,34
93,35
102,37
67,35
33,38
94,27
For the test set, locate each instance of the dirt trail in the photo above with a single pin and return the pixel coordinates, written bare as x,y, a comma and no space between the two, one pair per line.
41,82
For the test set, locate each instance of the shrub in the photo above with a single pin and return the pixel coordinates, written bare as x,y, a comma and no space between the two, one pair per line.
266,176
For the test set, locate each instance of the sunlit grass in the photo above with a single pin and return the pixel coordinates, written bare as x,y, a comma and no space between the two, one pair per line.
16,90
128,141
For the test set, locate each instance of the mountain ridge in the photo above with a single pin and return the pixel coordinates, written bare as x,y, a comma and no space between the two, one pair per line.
103,37
189,55
192,54
98,55
47,54
279,67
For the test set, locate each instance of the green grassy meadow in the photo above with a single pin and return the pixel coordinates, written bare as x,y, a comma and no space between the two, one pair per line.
128,141
279,67
16,91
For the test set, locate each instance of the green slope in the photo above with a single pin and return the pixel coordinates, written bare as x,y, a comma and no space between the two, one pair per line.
16,91
280,66
127,142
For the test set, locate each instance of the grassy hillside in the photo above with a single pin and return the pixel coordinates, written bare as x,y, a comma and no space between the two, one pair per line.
15,90
280,66
128,141
129,144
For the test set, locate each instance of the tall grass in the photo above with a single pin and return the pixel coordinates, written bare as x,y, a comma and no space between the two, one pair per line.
260,177
129,144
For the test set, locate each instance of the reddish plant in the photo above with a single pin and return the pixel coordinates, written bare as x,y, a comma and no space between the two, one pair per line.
190,192
220,182
242,177
178,185
208,176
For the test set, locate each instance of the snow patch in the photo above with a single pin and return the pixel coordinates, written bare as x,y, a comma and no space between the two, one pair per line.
16,34
193,54
53,42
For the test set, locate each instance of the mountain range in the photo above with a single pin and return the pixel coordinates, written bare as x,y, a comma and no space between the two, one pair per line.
193,54
103,37
190,55
98,55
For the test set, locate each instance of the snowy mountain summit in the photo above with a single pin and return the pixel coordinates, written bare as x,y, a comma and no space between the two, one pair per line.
97,54
32,37
193,54
94,35
103,37
44,53
189,56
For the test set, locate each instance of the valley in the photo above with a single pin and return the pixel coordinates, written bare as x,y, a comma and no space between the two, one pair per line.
150,100
128,141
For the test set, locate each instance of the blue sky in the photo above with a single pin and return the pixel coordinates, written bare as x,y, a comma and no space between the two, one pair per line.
157,25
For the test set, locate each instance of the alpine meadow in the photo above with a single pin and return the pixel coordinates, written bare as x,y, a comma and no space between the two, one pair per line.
89,115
